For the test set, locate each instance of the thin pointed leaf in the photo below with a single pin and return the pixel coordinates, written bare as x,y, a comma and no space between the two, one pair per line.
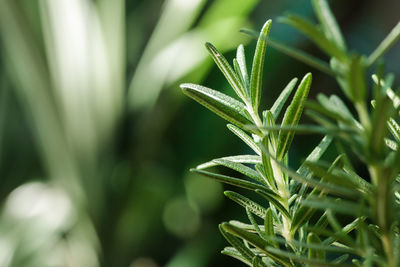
255,241
269,120
337,205
302,57
255,224
395,98
337,227
341,259
292,116
325,108
345,230
274,201
258,64
301,259
330,188
394,129
247,203
337,176
316,154
237,244
390,93
239,73
315,246
245,159
227,70
329,23
307,129
245,138
266,163
269,227
304,213
225,106
246,226
281,100
385,45
296,54
232,252
315,34
249,172
230,180
314,253
357,79
241,59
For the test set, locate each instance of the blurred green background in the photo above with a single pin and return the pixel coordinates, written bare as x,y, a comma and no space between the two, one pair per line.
96,138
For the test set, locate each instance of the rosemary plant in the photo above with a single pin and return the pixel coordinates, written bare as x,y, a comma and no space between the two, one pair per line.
324,213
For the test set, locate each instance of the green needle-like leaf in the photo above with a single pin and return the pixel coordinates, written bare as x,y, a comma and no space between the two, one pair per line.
225,106
329,23
301,259
234,253
274,201
269,227
315,34
245,138
249,172
315,155
338,176
394,129
258,64
239,73
337,205
227,70
356,77
245,159
255,224
313,183
230,180
266,163
238,245
241,60
385,45
313,253
295,53
292,116
247,203
256,241
281,100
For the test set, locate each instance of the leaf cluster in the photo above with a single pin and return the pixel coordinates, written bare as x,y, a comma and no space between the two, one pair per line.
324,213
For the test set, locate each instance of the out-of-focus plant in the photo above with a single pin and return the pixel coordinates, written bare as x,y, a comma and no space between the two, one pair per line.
324,213
165,59
65,62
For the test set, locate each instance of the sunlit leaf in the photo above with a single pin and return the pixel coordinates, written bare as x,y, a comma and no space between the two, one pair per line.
247,203
227,70
249,172
281,100
292,116
258,64
245,159
241,59
223,105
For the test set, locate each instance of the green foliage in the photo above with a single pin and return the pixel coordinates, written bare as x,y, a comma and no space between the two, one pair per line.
325,213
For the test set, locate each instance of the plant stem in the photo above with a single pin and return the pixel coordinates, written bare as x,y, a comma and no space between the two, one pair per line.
282,187
382,182
363,115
